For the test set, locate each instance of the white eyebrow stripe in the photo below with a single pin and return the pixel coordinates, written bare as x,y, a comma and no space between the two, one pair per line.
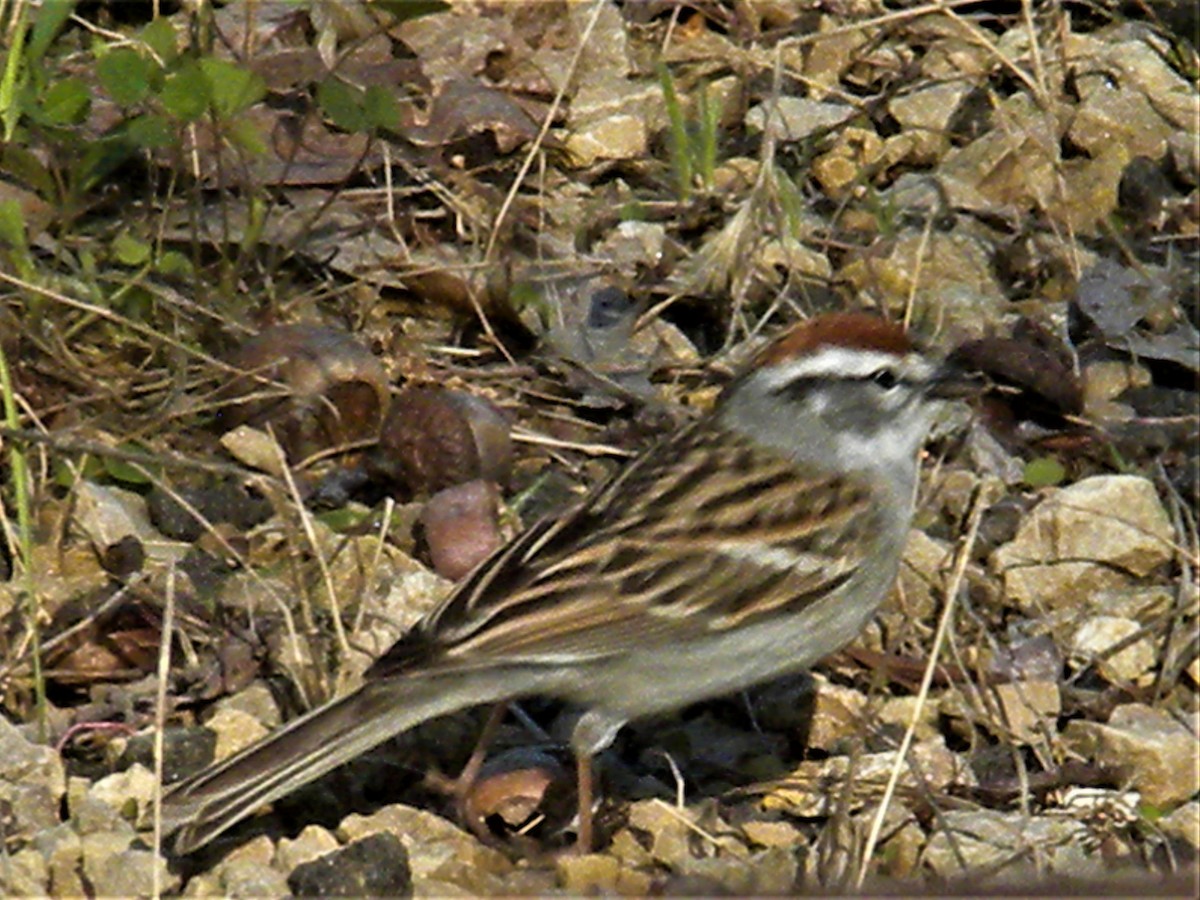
841,362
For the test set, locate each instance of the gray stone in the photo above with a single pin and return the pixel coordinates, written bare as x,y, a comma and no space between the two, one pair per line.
99,847
1114,519
256,700
813,788
62,848
1183,824
376,865
245,878
245,872
130,792
90,814
588,874
992,847
930,108
957,289
667,832
235,731
313,842
1117,115
766,873
795,118
615,137
30,807
1157,752
437,849
1062,586
130,873
25,763
1025,710
24,874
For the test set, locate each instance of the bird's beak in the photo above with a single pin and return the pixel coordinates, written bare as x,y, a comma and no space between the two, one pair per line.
953,382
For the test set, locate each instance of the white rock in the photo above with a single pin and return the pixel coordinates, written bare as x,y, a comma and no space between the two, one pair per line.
1096,636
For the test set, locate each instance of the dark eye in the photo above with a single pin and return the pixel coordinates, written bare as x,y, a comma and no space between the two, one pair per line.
886,379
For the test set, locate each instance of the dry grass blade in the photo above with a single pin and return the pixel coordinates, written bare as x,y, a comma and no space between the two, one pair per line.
160,720
940,636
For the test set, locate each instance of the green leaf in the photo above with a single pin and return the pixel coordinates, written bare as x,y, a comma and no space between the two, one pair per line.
130,251
185,93
65,103
1148,812
346,519
25,166
1045,471
245,134
172,263
160,37
120,470
126,75
381,109
342,104
633,211
232,88
12,226
150,132
66,476
98,161
50,18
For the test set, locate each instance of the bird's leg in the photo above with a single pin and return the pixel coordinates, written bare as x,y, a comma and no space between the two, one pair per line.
583,769
461,786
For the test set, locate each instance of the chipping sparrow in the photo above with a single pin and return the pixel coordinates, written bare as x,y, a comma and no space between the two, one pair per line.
744,546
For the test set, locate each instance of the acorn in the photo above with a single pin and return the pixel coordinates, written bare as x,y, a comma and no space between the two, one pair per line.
435,438
315,387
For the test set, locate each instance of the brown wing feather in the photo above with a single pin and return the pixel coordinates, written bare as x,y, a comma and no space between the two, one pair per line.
759,536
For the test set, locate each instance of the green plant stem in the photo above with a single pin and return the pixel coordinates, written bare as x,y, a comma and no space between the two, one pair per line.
10,113
681,160
24,550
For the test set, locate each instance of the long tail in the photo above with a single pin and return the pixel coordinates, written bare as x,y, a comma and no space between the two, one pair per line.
206,804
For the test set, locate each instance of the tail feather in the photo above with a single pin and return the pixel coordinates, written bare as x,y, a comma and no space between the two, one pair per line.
203,806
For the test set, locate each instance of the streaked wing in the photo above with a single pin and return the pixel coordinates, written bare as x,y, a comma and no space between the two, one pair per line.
758,536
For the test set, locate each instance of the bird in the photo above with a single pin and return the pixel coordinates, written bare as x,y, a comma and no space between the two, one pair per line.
743,546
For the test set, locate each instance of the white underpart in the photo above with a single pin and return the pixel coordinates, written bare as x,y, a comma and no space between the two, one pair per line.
889,450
